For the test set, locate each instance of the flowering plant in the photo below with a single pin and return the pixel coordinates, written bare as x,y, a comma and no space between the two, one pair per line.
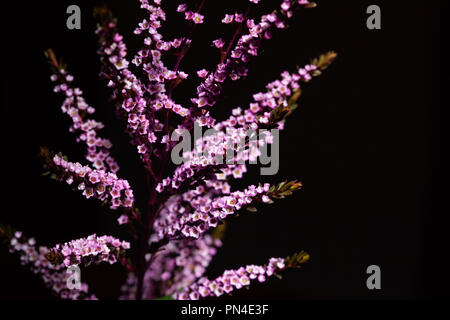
175,239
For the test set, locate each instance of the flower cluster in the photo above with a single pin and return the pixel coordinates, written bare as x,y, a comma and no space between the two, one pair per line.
231,134
189,15
128,90
230,280
105,186
74,105
247,46
258,114
88,250
180,265
188,204
55,277
197,211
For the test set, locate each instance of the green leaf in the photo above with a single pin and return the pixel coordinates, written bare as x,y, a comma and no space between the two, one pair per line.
281,185
169,297
297,259
324,61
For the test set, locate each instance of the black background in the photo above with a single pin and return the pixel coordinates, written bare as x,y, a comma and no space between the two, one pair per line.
366,143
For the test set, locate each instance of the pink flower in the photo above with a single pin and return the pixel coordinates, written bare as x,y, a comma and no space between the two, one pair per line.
188,15
182,7
228,18
123,219
197,18
218,43
151,137
202,73
142,149
238,17
66,251
88,192
115,193
194,296
126,245
244,280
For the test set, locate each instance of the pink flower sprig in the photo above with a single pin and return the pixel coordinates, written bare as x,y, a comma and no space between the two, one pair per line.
210,154
141,113
268,110
197,211
179,265
233,67
231,132
55,277
232,280
74,105
283,92
105,186
128,90
88,250
100,184
161,80
199,168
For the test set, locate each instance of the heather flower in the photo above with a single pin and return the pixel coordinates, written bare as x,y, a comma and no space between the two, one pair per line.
123,219
218,43
197,18
232,280
86,129
93,183
228,18
202,73
188,204
182,7
55,277
87,250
